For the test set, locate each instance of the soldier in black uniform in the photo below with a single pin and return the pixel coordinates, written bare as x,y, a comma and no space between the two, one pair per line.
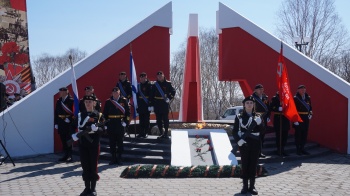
303,104
280,130
246,133
89,91
162,93
143,104
124,85
89,150
262,108
63,121
117,110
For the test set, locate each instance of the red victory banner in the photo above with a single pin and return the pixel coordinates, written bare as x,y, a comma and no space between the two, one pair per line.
286,98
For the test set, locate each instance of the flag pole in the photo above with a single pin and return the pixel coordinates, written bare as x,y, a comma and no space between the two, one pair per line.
133,102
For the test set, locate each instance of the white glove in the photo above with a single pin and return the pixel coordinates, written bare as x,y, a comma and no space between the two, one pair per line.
74,137
56,126
151,108
241,142
257,120
268,119
123,124
167,100
280,109
94,128
310,116
296,123
67,120
105,127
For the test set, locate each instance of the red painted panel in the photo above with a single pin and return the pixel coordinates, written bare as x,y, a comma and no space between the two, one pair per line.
245,58
19,5
151,53
191,101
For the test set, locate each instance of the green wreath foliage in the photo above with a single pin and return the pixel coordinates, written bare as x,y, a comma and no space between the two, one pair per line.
167,171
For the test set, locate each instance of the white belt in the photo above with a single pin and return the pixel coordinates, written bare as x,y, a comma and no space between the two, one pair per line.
256,134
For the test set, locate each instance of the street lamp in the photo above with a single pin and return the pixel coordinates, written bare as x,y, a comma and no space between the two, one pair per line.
299,42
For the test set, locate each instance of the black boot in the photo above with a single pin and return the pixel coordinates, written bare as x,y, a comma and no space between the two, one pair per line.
93,188
87,189
252,189
119,159
299,151
64,158
113,159
245,186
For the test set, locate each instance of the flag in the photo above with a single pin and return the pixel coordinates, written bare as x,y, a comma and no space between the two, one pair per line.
133,85
75,93
286,98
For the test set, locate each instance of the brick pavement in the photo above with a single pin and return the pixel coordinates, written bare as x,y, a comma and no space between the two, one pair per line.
42,175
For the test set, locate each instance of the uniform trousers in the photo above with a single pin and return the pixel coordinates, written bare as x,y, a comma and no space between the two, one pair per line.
89,154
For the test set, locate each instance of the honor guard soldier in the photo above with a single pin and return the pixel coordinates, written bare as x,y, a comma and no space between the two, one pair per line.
91,123
124,85
162,93
262,108
64,121
117,111
143,104
246,134
303,104
89,91
281,130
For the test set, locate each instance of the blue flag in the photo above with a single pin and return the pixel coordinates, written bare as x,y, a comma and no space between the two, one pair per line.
133,85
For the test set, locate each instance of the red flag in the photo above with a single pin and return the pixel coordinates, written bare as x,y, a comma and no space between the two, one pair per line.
286,97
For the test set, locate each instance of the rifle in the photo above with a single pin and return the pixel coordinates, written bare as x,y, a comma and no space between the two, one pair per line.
249,131
85,133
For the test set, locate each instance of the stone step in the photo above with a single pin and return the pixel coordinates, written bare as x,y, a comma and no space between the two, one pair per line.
158,151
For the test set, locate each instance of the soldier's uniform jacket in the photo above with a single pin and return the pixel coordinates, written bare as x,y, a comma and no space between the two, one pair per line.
303,106
145,88
262,107
114,114
160,106
126,86
252,128
82,105
61,114
94,117
275,104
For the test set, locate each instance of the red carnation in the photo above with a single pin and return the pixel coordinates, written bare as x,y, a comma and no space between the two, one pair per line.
208,141
197,136
210,148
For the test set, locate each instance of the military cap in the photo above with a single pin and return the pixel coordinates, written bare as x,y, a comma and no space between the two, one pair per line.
258,86
63,89
115,89
89,88
122,73
249,98
160,73
301,86
143,74
89,97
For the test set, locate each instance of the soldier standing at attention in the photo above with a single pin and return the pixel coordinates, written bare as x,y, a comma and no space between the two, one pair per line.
277,119
162,93
63,122
89,150
89,91
246,133
124,85
143,102
117,111
262,108
303,104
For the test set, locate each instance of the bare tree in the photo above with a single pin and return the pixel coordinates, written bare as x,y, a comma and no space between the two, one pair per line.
176,76
46,66
318,20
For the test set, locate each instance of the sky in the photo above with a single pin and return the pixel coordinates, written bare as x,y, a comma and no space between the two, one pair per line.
56,25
